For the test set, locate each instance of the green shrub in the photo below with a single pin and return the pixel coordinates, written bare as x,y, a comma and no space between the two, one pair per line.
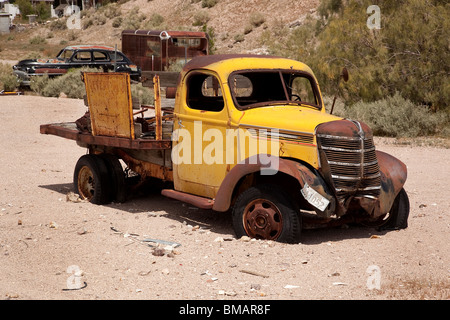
37,40
408,54
200,18
58,24
145,95
398,117
248,29
209,3
156,19
8,81
239,38
117,22
257,19
70,84
133,20
38,83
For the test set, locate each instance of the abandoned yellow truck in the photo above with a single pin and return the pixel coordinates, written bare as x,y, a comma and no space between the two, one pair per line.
246,134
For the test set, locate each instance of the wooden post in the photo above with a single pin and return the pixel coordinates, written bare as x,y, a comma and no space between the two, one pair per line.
157,90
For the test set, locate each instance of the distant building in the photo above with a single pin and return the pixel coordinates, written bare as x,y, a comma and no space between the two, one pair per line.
5,22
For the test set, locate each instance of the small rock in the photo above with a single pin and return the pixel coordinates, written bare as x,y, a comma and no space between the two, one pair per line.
218,239
82,231
335,274
159,252
255,286
165,271
53,225
245,239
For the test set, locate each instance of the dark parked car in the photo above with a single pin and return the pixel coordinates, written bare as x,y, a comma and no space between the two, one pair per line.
77,56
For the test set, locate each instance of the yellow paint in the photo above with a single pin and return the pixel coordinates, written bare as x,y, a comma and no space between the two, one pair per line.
294,125
110,105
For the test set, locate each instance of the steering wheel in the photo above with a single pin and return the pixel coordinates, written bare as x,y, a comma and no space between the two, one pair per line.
297,97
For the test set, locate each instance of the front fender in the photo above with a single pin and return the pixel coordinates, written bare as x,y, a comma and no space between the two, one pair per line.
393,176
298,171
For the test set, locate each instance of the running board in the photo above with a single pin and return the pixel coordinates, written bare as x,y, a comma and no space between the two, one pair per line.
199,202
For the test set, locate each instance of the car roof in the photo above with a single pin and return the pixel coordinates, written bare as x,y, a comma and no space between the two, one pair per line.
89,47
234,62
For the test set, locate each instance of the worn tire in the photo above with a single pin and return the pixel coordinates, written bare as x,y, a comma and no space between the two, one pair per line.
266,212
117,178
397,217
91,180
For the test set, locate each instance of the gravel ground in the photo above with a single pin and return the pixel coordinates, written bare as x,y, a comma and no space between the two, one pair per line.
51,244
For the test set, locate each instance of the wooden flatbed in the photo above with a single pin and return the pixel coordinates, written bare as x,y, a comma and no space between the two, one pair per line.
70,131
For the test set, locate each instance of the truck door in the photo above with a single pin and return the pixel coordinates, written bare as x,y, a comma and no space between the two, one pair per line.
198,147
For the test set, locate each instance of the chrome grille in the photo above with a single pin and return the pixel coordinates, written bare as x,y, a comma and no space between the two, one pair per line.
353,164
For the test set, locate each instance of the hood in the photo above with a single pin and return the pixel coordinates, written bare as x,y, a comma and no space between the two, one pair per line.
285,118
39,61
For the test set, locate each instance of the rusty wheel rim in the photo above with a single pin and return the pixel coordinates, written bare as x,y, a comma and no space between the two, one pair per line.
86,183
262,220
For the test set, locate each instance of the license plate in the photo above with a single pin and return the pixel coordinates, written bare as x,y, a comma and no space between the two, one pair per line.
314,198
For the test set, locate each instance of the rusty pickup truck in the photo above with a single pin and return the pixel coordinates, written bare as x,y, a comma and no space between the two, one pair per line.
247,135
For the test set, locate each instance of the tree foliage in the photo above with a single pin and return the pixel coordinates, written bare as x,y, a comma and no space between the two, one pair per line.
409,54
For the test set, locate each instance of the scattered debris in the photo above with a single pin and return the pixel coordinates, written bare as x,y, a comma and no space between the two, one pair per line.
74,197
72,289
290,286
163,242
254,273
227,293
255,286
339,284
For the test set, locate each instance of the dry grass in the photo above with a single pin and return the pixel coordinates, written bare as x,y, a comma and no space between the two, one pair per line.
417,289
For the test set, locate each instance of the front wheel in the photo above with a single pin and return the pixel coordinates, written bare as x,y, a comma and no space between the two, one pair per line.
266,212
397,217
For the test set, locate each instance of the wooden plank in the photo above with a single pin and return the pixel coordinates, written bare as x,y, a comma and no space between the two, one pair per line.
110,104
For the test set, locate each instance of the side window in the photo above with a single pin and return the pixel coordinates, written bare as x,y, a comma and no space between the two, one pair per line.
302,90
82,56
100,56
204,93
116,56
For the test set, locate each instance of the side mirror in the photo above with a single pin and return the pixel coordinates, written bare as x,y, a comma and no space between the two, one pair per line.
344,76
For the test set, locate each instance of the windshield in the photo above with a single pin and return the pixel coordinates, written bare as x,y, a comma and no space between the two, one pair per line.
258,88
65,54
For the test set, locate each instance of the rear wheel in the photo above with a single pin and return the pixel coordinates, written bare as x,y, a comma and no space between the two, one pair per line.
91,180
266,212
117,176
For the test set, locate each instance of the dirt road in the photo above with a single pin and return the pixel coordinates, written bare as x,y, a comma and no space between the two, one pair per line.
50,245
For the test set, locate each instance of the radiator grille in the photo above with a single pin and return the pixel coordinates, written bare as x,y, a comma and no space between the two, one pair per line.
353,164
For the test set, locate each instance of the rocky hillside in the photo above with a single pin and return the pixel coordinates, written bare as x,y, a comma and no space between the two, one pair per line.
238,25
